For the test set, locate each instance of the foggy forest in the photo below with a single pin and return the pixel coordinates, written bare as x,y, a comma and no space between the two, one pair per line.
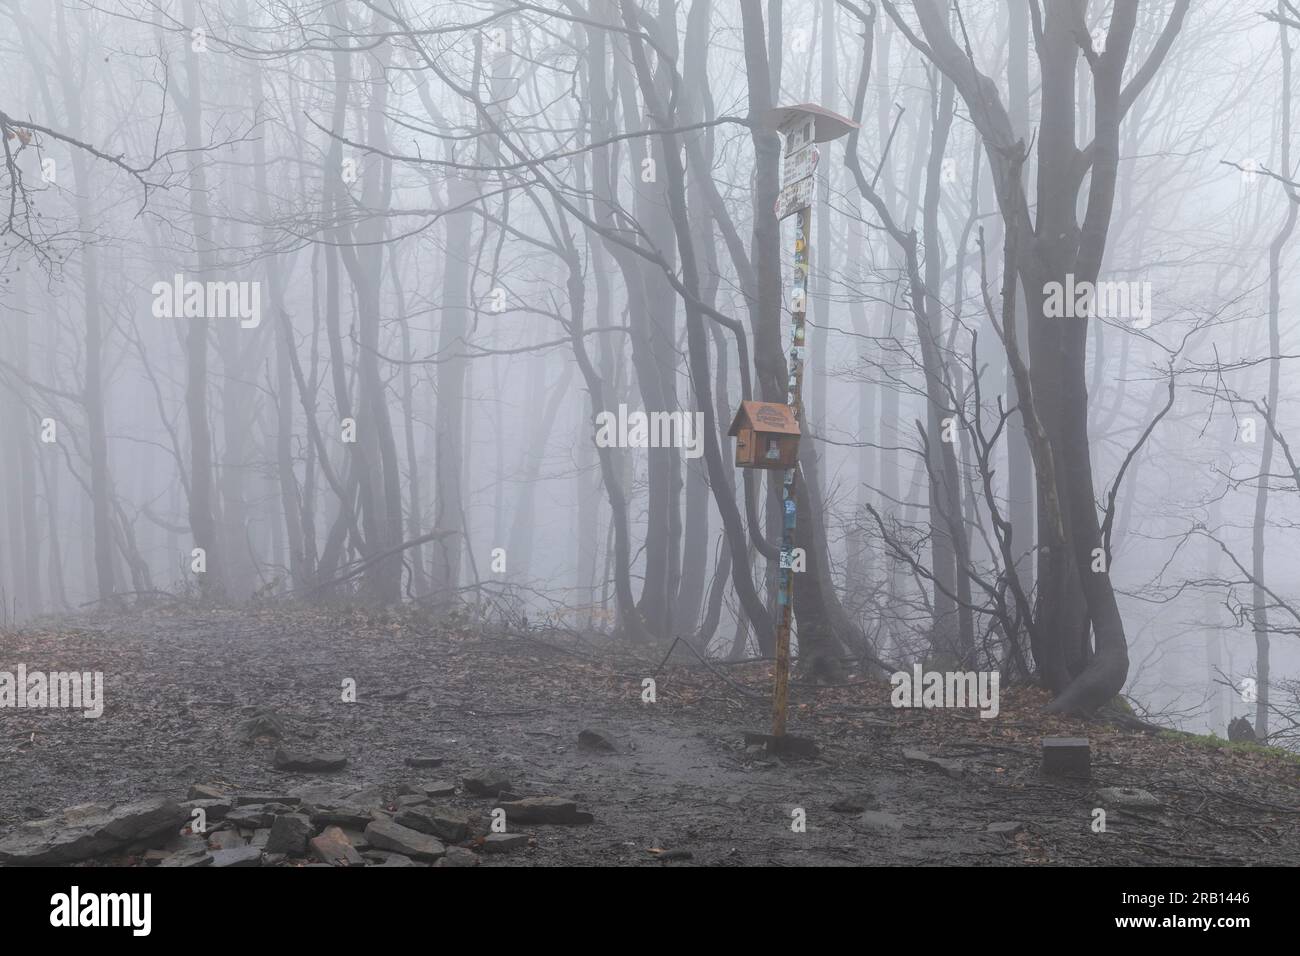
649,432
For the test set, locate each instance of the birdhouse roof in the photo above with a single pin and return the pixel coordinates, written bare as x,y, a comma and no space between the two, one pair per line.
770,417
830,125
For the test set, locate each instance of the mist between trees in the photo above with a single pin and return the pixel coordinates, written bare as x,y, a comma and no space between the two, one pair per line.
359,301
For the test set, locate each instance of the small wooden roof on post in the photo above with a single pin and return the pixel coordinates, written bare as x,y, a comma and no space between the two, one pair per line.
771,417
828,124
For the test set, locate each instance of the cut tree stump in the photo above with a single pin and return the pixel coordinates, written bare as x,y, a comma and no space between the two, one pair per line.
1067,757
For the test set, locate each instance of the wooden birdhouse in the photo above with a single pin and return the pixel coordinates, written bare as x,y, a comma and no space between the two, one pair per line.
767,435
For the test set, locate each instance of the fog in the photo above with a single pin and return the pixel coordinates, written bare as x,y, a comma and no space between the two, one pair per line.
356,303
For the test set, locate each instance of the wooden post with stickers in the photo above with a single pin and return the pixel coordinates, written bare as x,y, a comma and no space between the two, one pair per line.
803,127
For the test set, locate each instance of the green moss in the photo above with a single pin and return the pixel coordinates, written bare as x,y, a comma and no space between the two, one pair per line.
1214,742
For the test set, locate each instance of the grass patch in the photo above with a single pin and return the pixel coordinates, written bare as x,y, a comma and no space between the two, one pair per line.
1213,742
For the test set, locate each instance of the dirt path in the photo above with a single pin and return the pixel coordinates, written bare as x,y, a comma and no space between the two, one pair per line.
178,684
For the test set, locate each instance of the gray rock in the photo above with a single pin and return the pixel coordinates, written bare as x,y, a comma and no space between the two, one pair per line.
187,849
333,848
262,724
240,856
206,791
286,759
953,768
458,856
881,821
356,838
855,803
504,842
388,835
411,800
256,816
383,858
189,857
443,823
1131,798
487,783
544,810
1241,730
597,741
439,788
340,805
1007,828
667,856
226,840
424,761
260,836
289,834
284,799
88,831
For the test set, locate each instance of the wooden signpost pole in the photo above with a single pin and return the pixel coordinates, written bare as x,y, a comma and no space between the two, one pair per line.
803,127
789,508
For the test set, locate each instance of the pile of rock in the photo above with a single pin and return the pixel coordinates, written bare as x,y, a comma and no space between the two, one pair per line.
321,824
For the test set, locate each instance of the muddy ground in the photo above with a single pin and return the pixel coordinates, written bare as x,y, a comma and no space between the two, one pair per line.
178,682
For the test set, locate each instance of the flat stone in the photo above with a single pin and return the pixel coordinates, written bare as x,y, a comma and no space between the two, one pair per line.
424,761
544,810
487,783
206,791
240,856
439,788
1130,797
388,835
284,799
356,838
334,849
256,816
881,820
458,856
381,858
597,741
226,840
667,856
443,823
340,805
1006,828
189,857
286,759
1067,757
289,834
411,800
262,724
855,803
89,831
504,842
953,768
260,836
